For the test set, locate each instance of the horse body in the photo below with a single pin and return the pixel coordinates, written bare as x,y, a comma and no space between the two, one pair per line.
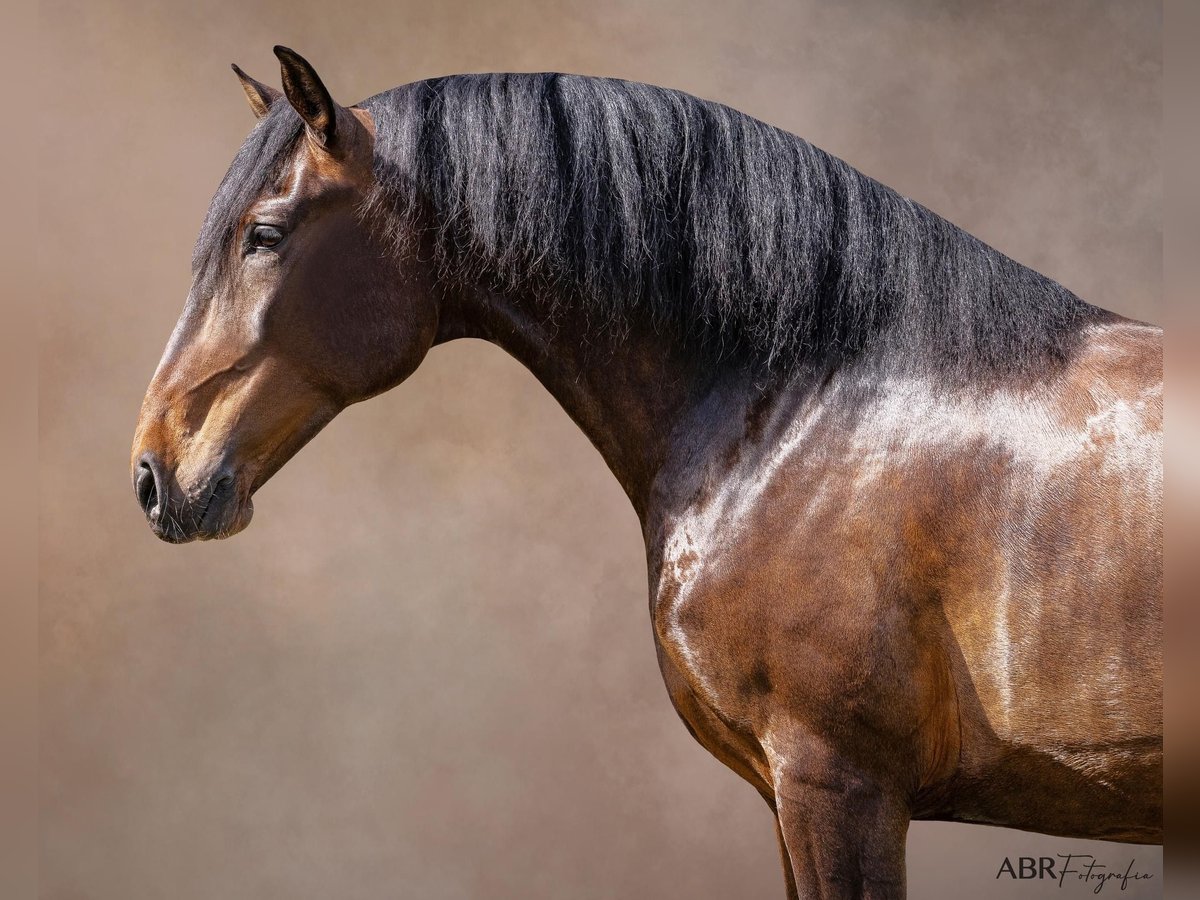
881,599
901,577
881,587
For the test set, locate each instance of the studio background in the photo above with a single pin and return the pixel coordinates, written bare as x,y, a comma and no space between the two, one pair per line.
426,670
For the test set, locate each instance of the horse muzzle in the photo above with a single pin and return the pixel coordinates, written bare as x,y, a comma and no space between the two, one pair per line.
217,507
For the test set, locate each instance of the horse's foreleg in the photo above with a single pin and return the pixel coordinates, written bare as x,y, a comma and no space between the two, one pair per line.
841,831
788,877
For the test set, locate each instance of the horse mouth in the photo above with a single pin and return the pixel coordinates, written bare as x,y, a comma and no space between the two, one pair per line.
222,514
221,493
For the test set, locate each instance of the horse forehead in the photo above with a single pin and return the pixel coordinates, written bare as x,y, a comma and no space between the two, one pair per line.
312,168
307,174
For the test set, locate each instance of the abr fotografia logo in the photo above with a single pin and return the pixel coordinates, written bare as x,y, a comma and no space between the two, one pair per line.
1071,868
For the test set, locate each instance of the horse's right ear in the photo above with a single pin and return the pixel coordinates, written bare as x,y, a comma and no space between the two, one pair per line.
258,95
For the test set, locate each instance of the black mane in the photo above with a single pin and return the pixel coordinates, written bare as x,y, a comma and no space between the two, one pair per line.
741,236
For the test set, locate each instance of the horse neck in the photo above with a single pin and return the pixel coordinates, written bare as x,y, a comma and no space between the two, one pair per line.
628,393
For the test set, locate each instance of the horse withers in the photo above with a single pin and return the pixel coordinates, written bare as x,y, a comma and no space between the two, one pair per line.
901,496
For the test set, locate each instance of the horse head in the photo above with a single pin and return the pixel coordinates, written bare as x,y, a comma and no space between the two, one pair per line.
298,307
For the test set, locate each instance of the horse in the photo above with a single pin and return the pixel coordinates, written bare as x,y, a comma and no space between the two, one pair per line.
901,496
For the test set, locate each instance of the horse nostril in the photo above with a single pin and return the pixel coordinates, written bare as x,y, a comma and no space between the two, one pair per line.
145,485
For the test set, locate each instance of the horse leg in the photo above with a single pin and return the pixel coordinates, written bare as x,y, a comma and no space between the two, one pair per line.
788,877
842,832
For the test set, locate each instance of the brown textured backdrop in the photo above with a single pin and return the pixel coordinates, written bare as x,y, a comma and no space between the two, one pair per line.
426,670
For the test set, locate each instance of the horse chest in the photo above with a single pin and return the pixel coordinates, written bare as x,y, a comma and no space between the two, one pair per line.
685,610
703,662
708,627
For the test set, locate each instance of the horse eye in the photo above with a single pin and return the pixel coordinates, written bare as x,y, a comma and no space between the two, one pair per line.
265,236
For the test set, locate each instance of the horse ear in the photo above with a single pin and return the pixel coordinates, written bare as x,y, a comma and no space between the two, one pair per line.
258,95
308,95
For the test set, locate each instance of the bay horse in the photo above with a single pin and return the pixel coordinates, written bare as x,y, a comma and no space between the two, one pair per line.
901,496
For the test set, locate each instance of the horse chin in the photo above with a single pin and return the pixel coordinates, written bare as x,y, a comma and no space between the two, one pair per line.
232,522
171,533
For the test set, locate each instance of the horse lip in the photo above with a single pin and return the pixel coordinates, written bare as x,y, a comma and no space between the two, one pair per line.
169,530
217,503
202,522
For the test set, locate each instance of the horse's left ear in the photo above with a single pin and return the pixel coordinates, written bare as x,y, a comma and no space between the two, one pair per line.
308,96
258,95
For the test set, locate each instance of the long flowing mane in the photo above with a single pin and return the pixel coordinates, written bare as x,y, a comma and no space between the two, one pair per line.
742,237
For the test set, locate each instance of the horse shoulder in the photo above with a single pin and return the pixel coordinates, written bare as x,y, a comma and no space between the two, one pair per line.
780,593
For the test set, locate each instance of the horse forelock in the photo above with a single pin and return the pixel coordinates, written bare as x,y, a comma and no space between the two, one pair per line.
254,169
743,237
